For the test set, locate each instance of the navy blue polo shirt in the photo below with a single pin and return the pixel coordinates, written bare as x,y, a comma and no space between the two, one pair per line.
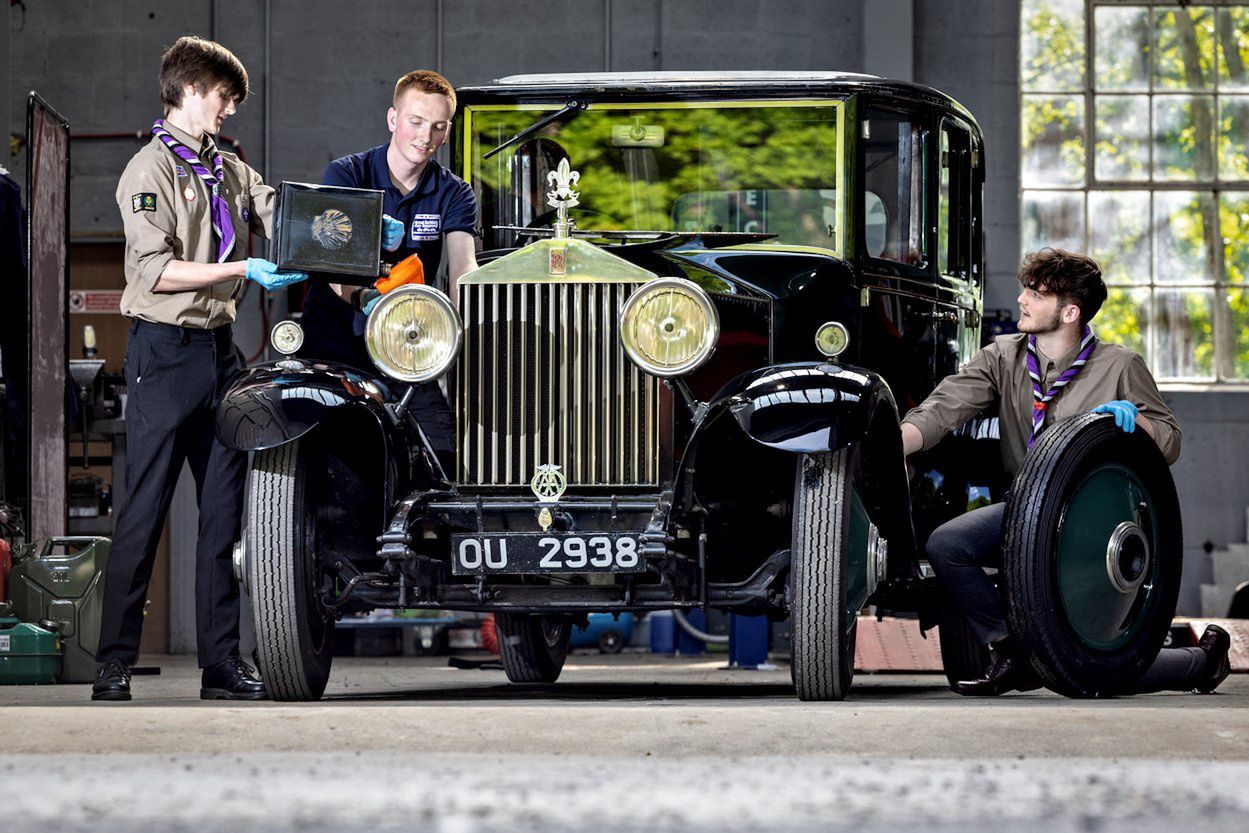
440,203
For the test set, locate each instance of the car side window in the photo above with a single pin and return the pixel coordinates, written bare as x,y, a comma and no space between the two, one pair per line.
895,154
954,202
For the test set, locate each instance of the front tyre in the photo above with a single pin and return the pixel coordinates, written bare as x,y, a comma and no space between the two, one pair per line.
533,648
294,633
1091,556
822,629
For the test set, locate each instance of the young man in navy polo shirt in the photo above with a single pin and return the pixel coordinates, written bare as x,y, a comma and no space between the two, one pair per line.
437,212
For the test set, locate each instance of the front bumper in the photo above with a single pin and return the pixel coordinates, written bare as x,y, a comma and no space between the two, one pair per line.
416,549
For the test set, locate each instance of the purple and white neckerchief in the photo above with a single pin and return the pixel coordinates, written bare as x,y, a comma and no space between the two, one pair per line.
223,223
1040,403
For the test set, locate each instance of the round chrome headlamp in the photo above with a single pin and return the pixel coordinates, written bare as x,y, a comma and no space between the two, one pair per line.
413,333
286,337
832,339
669,327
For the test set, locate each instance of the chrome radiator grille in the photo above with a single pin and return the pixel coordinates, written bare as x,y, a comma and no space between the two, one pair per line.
542,379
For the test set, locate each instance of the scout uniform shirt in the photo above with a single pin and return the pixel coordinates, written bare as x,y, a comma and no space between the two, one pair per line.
999,373
167,214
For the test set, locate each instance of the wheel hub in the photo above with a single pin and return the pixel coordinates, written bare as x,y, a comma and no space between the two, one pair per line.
1127,557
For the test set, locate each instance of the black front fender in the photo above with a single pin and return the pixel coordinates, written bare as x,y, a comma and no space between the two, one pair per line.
271,405
805,407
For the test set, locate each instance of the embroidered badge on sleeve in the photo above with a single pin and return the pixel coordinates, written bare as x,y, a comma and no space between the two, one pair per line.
143,202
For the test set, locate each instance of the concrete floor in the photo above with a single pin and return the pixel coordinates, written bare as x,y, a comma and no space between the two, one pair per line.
622,743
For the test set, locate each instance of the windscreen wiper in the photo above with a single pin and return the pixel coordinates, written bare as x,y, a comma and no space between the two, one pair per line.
574,107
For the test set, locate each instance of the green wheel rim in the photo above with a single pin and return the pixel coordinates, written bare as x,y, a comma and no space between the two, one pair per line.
1107,564
856,584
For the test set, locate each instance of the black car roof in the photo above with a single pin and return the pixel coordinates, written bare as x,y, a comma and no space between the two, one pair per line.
702,85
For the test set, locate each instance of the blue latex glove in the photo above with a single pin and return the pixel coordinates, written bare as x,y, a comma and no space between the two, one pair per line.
392,233
369,299
1125,413
267,275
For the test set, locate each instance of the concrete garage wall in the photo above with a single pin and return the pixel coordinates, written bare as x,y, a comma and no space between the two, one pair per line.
970,50
328,92
1212,476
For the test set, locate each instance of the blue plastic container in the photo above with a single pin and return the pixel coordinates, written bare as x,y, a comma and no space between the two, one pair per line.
688,644
663,632
748,640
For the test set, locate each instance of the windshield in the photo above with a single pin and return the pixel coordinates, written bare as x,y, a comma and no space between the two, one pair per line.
763,167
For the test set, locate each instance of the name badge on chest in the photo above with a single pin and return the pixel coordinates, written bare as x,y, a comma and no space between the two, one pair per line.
426,227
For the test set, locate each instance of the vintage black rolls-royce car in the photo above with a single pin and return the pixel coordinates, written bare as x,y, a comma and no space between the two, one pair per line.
704,301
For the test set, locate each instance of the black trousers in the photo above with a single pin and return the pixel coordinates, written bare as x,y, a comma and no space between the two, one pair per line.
961,548
175,377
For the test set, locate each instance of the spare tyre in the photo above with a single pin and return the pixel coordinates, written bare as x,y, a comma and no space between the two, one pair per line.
1091,556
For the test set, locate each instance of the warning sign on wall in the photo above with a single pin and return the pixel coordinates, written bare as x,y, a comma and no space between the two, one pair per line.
95,300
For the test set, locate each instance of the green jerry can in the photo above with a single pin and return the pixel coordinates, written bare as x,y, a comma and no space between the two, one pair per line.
61,580
29,655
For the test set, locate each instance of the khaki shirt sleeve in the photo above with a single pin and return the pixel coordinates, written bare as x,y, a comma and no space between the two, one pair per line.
262,198
150,229
1137,386
958,398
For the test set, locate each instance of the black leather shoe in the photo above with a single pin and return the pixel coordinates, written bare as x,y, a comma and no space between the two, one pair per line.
231,679
112,681
1005,673
1217,644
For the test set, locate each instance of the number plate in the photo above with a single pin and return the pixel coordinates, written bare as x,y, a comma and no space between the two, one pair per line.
542,552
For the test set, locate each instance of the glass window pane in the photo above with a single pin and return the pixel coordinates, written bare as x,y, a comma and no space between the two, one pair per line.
1053,218
761,167
1051,54
1183,137
1119,235
1234,222
943,206
1184,338
894,188
1124,319
1238,305
1122,149
1182,253
1052,134
1234,137
1122,48
1234,48
1184,48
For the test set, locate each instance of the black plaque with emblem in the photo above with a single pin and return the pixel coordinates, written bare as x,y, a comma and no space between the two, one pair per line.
328,229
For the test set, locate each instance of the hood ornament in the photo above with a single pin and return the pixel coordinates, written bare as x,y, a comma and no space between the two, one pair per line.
563,197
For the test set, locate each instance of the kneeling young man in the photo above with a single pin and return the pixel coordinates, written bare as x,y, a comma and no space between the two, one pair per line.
1053,368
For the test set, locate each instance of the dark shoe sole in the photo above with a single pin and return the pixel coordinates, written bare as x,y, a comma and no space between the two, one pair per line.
995,691
114,696
222,694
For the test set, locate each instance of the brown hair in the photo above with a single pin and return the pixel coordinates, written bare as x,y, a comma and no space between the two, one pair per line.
203,64
1075,279
425,81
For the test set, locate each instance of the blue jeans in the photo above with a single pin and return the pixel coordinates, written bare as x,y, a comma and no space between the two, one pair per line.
961,548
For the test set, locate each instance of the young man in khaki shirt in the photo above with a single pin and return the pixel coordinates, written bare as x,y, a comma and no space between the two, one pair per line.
1074,373
188,209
